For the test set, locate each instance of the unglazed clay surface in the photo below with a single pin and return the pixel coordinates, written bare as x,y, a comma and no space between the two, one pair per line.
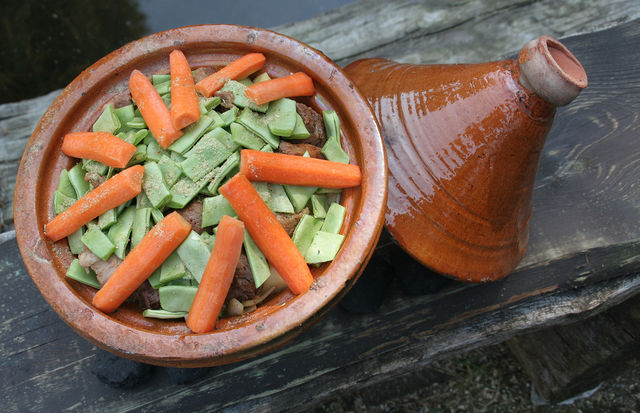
125,332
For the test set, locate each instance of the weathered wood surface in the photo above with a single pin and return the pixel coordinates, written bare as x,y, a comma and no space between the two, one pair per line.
406,31
568,360
582,259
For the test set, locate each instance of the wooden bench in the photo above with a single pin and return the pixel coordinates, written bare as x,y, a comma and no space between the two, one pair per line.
583,256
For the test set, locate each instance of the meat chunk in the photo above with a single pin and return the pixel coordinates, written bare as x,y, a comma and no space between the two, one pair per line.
103,269
121,99
227,97
289,221
146,296
202,72
299,149
314,124
193,214
242,287
94,179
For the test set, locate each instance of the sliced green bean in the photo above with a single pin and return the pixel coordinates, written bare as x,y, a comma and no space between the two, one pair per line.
76,177
107,219
319,205
257,261
108,121
170,170
98,243
120,232
172,268
223,171
334,219
305,231
208,153
177,297
214,208
194,253
163,314
257,124
245,138
240,99
191,134
281,117
125,114
279,201
75,242
324,247
64,185
300,131
141,225
81,274
62,201
154,186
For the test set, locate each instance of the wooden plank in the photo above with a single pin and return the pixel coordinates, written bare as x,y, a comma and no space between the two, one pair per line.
584,190
51,365
565,361
451,32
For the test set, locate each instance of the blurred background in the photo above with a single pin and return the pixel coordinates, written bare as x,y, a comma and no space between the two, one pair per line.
45,45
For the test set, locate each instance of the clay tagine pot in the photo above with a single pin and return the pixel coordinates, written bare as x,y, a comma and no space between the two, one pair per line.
463,143
167,342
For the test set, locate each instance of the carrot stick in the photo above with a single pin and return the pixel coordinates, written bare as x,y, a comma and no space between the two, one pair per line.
268,234
217,276
238,69
98,146
153,110
298,170
117,190
184,100
297,84
142,261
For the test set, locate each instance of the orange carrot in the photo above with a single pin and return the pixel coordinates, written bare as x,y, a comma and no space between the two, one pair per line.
217,276
297,84
298,170
99,146
142,261
184,100
117,190
268,234
153,109
238,69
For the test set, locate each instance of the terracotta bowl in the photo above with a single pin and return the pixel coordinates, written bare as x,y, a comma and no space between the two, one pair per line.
170,343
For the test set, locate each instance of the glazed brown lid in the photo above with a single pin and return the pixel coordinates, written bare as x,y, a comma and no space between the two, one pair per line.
126,332
463,143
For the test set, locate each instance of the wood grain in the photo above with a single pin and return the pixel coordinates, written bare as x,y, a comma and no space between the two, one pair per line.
403,30
568,360
583,256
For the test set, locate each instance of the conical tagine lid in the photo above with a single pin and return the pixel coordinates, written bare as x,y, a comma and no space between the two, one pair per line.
463,144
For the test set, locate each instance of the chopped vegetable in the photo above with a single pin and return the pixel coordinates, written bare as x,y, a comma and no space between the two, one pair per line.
81,274
184,100
238,69
334,219
297,84
324,247
153,109
298,170
177,297
267,233
138,265
217,276
98,243
99,146
118,189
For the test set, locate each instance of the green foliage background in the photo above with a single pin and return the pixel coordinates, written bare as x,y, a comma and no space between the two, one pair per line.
45,44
